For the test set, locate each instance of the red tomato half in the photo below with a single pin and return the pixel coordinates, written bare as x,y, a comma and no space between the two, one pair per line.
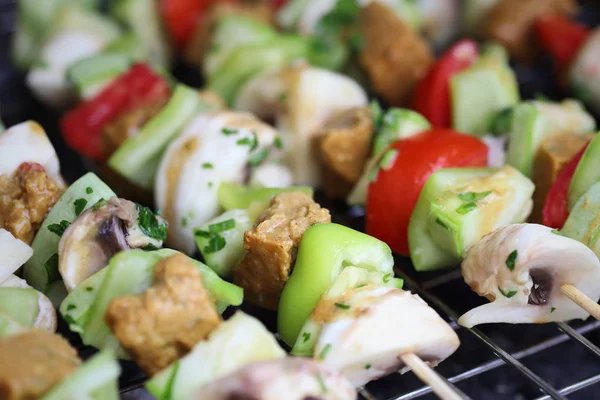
394,194
432,95
555,212
82,126
561,37
181,17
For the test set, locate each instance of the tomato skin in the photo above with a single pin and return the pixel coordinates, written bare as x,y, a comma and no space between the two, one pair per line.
393,195
555,212
432,95
82,126
561,37
181,17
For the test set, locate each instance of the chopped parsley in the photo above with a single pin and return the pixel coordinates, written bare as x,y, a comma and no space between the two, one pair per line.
89,289
69,319
386,278
59,228
321,382
150,225
508,294
305,337
282,97
259,157
89,190
368,366
441,223
79,205
324,352
331,26
184,222
510,260
216,242
210,184
473,196
361,285
222,226
99,204
277,143
342,306
466,208
552,309
252,142
228,132
207,166
71,307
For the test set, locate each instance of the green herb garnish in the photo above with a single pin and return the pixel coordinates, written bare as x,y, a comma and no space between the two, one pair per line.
89,289
216,242
324,352
99,204
441,223
305,337
473,196
386,278
508,294
228,132
89,190
79,205
207,166
552,309
368,366
277,142
466,208
321,382
59,228
259,157
222,226
150,225
510,260
71,307
342,306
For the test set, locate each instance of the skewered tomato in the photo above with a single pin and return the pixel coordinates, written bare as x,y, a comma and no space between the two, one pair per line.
561,37
181,17
395,191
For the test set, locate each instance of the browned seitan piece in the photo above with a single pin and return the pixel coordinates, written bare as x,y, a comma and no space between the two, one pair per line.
164,323
271,247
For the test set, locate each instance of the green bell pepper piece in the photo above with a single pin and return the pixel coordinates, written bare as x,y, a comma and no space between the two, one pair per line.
324,251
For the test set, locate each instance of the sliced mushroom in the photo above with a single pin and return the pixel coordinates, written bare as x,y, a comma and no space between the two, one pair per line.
222,146
102,231
298,378
301,99
365,331
520,269
46,317
14,254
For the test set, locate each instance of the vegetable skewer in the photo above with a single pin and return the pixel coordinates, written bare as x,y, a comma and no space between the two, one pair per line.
430,377
581,300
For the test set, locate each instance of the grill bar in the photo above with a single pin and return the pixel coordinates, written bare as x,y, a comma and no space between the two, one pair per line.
576,386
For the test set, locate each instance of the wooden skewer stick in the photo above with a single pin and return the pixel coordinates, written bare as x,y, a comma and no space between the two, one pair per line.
430,377
581,300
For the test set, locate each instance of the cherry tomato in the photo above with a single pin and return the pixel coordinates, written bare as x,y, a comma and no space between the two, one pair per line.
555,212
432,95
82,126
394,193
561,37
181,17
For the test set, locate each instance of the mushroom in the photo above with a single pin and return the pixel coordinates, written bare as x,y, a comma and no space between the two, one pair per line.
301,99
298,378
46,314
520,269
366,330
222,146
102,231
28,142
14,254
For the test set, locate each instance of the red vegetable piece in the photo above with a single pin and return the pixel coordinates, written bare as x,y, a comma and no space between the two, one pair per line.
82,126
181,17
394,193
432,95
561,37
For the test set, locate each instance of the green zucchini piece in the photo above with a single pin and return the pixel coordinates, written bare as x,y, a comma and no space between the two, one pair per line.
583,223
234,196
586,174
481,91
143,19
247,61
9,325
91,74
527,130
233,31
20,303
137,159
349,278
96,379
42,268
221,240
239,341
395,124
128,45
458,206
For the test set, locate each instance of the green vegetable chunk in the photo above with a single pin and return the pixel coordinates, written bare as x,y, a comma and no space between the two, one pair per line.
586,174
324,251
41,270
583,223
237,196
21,304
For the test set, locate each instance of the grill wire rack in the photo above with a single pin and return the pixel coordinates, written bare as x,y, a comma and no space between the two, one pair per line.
550,361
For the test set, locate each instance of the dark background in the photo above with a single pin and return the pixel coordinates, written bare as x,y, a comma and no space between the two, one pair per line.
565,362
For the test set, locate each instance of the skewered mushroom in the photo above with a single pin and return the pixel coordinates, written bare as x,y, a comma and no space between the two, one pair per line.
521,268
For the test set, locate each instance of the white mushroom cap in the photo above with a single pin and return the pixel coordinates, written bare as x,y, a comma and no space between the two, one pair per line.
213,148
520,268
285,379
14,253
46,318
301,98
379,324
28,142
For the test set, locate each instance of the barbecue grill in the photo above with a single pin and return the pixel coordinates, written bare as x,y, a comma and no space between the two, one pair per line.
500,361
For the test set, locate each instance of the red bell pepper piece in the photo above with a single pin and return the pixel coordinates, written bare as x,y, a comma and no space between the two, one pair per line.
561,37
555,212
394,193
181,17
82,126
432,94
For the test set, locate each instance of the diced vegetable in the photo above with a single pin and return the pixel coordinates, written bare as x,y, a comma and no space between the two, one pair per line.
221,240
181,17
237,196
457,207
562,37
239,341
583,223
91,75
586,174
137,158
21,304
42,269
9,326
324,251
15,253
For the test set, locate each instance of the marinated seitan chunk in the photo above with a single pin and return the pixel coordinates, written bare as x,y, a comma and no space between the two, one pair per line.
31,363
554,153
510,23
199,44
163,324
344,147
271,247
26,197
116,132
394,56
